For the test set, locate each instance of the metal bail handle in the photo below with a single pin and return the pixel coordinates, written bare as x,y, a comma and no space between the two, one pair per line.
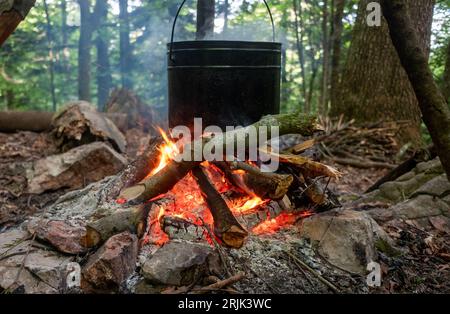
178,13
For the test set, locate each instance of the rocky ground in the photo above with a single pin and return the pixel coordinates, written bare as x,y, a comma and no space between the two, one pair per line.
404,226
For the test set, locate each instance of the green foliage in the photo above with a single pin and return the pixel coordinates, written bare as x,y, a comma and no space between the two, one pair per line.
25,58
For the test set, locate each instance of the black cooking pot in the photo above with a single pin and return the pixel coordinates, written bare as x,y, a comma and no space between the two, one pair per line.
227,83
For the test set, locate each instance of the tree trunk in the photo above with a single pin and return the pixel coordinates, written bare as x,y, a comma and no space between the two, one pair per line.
225,17
323,102
299,43
103,67
436,113
205,19
84,51
64,52
446,82
314,64
374,85
125,48
336,40
51,61
12,15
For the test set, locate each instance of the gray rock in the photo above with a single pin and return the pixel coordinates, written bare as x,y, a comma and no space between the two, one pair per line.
432,166
420,207
112,264
43,271
177,263
346,239
436,186
406,186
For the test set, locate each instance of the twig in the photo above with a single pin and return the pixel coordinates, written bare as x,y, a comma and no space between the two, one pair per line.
13,254
300,264
18,242
220,284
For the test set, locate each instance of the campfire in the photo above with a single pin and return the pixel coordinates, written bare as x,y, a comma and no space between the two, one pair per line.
220,202
189,201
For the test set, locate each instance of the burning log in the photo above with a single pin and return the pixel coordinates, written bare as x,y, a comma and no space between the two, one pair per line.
226,227
166,178
159,183
253,181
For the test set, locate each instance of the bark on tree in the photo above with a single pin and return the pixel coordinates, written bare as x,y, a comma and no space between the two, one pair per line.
205,19
446,79
50,41
104,78
84,51
323,101
336,40
11,15
225,16
436,113
125,47
64,52
299,42
374,85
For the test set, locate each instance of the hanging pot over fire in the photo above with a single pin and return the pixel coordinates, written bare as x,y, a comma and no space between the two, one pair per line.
227,83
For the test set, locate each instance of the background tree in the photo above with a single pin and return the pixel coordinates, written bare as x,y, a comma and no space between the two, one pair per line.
336,42
125,47
84,50
104,78
25,58
446,76
374,85
205,19
414,59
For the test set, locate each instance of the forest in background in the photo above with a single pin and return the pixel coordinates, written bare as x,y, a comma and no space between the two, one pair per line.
82,49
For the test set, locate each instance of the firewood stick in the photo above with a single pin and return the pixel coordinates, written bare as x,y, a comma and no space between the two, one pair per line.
226,227
312,168
118,221
254,181
220,284
174,171
159,183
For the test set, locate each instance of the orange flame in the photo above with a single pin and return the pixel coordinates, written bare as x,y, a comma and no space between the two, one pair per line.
271,226
249,204
168,151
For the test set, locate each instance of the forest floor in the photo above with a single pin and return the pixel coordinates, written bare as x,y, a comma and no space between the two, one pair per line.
418,260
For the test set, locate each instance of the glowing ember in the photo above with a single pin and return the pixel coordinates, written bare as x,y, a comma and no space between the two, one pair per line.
284,219
121,201
154,233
